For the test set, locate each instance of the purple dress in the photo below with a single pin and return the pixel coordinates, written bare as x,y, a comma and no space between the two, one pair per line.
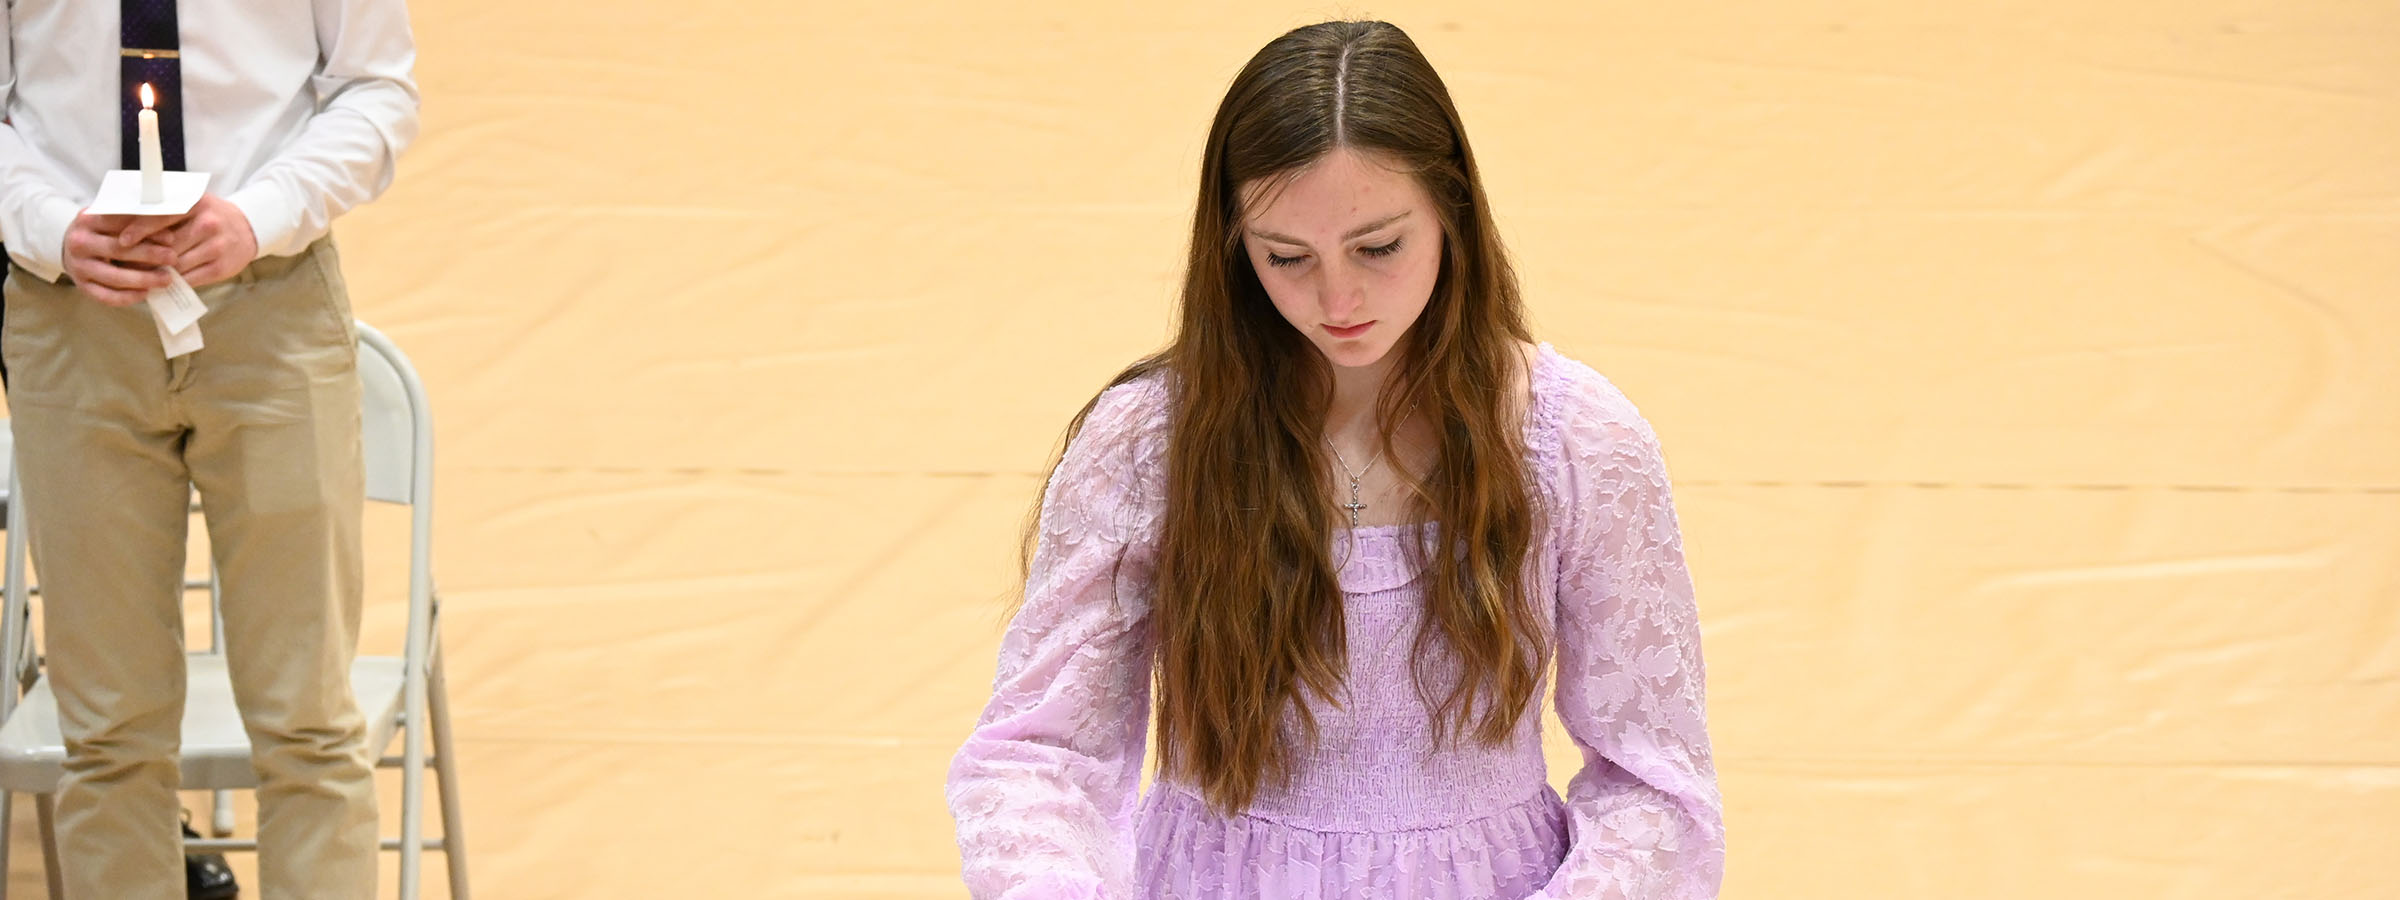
1045,790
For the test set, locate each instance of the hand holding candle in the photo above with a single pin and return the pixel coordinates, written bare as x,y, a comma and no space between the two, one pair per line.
154,178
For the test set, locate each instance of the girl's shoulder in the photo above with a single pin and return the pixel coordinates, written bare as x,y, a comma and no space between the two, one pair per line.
1577,412
1130,414
1116,459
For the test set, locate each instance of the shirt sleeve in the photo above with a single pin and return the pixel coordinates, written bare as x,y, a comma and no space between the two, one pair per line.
1646,821
366,115
34,213
1045,788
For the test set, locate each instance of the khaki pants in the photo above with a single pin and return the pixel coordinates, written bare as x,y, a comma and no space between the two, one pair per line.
264,420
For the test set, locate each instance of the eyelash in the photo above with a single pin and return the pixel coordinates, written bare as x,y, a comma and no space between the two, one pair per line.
1375,252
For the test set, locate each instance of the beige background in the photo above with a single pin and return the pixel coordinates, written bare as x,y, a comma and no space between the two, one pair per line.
2029,371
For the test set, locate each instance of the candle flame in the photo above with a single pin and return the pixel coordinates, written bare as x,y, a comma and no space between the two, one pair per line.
149,99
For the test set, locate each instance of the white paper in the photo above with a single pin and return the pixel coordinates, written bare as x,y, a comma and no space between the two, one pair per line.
176,310
177,306
178,343
121,194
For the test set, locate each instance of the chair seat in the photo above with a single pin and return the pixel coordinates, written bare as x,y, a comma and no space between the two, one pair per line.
216,750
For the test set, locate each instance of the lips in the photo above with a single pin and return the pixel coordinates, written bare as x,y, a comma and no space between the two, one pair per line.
1351,331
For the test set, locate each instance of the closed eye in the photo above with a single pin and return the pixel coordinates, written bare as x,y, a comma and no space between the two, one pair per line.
1278,260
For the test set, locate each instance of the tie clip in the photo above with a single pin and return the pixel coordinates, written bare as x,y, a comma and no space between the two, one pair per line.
143,53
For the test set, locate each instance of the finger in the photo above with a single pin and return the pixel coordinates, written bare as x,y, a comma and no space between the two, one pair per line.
102,224
109,296
209,274
144,256
142,227
83,243
168,236
218,266
201,256
119,299
182,238
110,275
94,248
117,279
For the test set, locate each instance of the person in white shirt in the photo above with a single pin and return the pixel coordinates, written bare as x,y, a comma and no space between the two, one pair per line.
298,110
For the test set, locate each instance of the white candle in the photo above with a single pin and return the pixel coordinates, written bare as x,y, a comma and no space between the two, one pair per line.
154,168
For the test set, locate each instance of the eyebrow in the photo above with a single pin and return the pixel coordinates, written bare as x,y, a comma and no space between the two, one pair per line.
1354,233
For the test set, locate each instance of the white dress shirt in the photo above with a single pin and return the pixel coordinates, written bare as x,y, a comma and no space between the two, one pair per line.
297,109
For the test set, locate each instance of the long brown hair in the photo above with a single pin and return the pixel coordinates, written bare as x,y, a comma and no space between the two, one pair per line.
1247,611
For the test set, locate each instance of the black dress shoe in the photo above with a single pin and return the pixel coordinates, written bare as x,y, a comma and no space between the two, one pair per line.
206,876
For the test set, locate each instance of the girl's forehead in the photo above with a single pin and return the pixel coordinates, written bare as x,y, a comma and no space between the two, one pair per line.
1338,191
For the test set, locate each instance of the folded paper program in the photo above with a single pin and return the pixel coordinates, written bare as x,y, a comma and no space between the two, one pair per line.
176,310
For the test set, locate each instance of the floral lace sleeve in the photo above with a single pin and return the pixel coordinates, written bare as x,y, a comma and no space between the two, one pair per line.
1646,820
1044,789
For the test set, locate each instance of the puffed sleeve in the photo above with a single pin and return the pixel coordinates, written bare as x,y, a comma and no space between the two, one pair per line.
1646,819
1045,788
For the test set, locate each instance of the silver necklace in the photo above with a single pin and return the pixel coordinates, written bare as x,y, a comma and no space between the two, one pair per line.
1354,506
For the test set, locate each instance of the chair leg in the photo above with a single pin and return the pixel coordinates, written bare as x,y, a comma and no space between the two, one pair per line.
220,814
8,806
445,771
45,809
412,799
447,783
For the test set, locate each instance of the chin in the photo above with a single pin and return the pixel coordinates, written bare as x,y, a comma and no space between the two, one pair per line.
1355,355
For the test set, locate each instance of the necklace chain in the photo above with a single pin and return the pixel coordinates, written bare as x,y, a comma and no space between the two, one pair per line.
1355,506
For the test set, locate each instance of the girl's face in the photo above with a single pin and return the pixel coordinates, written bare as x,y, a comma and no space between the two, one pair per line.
1348,249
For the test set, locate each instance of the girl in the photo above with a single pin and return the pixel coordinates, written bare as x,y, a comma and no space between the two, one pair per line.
1346,523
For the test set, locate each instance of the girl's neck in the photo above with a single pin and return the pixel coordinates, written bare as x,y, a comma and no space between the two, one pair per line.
1350,413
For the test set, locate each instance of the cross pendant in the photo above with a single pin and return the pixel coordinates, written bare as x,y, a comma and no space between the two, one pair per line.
1354,506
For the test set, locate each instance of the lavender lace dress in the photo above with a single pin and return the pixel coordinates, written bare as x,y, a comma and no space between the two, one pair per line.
1045,790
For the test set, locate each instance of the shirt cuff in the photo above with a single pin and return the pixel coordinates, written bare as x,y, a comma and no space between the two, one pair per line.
274,217
42,249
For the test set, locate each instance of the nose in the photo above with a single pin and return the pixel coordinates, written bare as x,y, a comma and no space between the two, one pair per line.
1341,290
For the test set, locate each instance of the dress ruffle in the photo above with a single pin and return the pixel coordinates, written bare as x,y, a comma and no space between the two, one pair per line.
1185,851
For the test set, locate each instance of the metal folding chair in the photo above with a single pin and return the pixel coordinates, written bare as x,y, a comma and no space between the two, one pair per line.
403,696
